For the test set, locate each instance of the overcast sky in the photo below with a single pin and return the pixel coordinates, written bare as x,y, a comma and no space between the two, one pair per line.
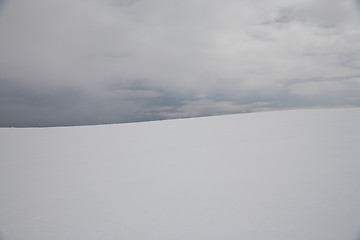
75,62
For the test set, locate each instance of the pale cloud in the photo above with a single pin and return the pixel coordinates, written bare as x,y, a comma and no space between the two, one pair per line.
333,92
153,58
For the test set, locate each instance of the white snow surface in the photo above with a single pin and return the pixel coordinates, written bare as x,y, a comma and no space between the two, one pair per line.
284,175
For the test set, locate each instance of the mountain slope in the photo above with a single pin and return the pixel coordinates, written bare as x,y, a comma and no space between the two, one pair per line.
272,175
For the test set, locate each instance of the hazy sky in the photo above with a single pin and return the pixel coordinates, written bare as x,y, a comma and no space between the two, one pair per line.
73,62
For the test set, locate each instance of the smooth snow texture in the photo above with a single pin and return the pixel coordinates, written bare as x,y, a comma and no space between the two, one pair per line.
287,175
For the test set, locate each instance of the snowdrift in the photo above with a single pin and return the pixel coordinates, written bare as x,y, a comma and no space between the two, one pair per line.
272,175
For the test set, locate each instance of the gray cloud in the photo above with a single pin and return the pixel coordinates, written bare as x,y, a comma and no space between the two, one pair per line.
87,62
125,3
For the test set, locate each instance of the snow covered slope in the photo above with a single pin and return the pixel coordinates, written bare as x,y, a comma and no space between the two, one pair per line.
287,175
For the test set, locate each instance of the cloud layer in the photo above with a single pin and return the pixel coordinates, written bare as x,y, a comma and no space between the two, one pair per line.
88,62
